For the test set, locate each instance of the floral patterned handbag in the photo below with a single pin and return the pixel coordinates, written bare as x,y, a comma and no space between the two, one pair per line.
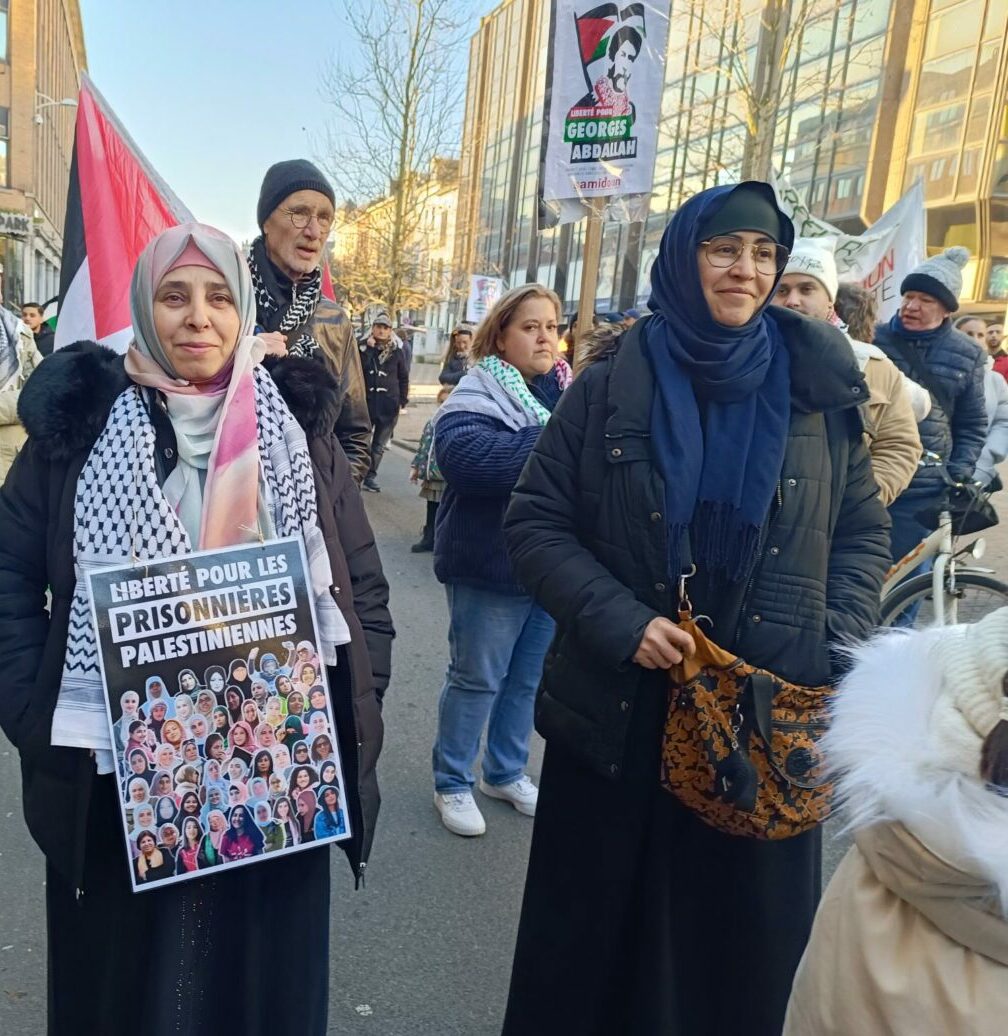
741,745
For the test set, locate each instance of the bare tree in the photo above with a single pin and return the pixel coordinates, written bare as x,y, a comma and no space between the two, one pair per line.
396,108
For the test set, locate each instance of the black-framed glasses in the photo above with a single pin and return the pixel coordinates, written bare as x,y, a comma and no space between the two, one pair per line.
302,217
724,251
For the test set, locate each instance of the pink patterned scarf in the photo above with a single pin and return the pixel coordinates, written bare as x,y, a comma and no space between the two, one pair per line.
214,422
226,509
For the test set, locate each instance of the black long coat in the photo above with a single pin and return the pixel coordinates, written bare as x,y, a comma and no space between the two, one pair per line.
386,381
638,917
64,408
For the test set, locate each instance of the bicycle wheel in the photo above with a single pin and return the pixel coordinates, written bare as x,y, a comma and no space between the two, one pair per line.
976,595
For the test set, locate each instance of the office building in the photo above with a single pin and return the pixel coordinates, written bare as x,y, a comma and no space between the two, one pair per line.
875,94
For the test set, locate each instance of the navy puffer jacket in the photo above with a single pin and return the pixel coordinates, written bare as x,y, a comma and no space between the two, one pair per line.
956,364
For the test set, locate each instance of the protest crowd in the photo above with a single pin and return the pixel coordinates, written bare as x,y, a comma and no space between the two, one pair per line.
663,544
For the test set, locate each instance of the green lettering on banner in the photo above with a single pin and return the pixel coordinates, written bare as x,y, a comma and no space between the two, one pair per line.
611,149
597,129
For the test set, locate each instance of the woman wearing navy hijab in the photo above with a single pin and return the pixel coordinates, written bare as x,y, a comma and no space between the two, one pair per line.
723,434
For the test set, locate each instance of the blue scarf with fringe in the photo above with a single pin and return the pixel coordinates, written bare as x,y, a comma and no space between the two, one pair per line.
722,408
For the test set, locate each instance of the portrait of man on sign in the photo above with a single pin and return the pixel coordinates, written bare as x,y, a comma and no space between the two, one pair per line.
611,90
600,126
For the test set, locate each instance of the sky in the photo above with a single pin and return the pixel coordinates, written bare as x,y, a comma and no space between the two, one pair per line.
214,92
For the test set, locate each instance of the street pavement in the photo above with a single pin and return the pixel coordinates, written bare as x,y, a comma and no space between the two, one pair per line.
425,948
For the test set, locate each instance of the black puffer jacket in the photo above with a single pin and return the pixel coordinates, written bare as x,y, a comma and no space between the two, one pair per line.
64,408
587,538
956,364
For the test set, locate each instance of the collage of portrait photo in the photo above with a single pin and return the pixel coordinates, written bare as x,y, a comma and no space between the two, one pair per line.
234,762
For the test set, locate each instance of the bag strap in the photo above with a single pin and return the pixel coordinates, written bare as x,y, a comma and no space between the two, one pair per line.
762,693
923,376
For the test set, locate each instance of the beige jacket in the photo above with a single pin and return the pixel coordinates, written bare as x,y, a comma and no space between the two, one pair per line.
903,944
911,936
12,435
891,426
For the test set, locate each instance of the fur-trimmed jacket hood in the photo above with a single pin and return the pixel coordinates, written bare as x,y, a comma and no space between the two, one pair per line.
911,934
65,403
904,753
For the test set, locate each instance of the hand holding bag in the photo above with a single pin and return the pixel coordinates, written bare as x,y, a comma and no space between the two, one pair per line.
740,747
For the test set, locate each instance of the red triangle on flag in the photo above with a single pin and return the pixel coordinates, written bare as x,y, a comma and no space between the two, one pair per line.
328,290
590,31
120,204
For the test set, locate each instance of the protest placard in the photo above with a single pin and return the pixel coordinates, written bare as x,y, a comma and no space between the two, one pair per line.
9,362
879,258
605,70
483,293
219,710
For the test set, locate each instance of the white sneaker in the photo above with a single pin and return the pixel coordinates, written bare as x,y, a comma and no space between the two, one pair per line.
522,794
460,814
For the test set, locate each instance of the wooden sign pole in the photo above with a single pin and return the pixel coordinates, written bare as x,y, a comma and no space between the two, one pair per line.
590,258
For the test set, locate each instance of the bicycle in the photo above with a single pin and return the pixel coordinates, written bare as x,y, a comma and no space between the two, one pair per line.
954,590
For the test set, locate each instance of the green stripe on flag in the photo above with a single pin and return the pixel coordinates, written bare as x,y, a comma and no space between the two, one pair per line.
600,49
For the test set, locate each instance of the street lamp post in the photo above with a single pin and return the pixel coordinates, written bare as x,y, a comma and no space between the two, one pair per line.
48,102
42,101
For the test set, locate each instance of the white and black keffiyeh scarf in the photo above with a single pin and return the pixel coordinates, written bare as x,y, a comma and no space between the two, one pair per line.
134,520
275,311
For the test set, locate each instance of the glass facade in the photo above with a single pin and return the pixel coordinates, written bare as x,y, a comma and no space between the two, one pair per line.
848,68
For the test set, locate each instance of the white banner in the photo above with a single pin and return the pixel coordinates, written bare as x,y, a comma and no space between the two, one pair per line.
606,71
879,258
483,293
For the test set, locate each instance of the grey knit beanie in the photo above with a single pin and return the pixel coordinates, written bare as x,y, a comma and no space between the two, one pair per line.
940,276
283,179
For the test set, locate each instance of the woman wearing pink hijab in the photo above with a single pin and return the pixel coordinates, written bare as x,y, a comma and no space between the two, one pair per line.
188,445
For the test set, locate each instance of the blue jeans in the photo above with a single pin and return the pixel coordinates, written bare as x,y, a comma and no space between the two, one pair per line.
497,644
906,533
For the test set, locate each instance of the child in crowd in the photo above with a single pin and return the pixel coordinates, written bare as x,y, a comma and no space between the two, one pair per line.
912,932
424,470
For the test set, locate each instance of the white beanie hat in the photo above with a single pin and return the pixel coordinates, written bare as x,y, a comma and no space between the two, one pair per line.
813,257
974,663
940,276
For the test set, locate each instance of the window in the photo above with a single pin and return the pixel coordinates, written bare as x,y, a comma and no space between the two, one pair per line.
4,57
950,32
843,187
937,130
945,80
4,121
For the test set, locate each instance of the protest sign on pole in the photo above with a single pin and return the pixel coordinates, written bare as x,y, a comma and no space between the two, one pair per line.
879,258
483,293
605,73
604,80
219,710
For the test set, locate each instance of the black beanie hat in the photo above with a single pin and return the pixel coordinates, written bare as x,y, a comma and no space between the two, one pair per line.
750,206
283,179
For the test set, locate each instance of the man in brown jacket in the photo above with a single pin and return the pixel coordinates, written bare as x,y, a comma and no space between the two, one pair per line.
809,286
295,213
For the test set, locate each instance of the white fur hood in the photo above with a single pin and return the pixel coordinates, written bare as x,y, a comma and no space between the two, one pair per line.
903,751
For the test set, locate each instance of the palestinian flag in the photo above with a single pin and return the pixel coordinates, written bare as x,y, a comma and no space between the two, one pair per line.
328,290
115,205
594,32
